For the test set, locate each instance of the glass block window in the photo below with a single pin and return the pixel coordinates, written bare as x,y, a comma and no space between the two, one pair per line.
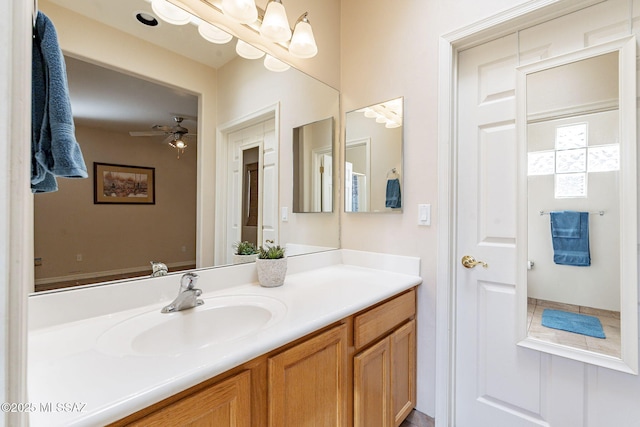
542,162
572,160
604,158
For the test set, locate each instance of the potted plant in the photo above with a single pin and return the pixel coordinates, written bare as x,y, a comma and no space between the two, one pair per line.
271,265
244,252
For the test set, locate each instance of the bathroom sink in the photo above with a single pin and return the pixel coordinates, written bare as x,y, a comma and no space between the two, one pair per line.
218,320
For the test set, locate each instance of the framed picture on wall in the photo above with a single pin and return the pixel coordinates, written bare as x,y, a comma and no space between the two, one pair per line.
123,184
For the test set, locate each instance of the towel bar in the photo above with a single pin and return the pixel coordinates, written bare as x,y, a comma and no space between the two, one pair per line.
601,213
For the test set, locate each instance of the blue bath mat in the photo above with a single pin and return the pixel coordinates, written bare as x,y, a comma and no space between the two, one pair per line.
572,322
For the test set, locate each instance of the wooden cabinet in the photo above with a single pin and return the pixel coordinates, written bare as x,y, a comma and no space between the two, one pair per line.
225,404
359,372
384,373
308,382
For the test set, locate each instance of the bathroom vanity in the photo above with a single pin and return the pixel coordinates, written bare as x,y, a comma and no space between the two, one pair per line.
338,342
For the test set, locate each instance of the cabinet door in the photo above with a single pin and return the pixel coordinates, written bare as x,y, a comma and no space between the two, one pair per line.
308,382
227,403
371,385
403,371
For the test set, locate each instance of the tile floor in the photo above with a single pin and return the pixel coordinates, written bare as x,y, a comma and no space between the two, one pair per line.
418,419
610,324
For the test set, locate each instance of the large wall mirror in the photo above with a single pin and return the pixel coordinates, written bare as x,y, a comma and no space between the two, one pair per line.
129,83
373,158
578,263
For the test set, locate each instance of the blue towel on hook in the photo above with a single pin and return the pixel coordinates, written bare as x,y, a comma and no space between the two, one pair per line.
570,238
54,149
393,197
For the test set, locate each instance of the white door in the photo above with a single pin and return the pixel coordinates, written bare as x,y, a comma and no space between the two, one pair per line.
327,183
497,383
490,369
260,135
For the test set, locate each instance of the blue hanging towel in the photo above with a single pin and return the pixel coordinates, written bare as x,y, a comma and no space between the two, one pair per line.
393,198
570,238
54,149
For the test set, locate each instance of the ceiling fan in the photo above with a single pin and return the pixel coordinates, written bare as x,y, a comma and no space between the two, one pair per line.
176,134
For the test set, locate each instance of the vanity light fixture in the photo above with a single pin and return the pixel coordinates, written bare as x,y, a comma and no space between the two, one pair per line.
272,24
213,34
242,11
248,51
275,24
388,113
303,44
274,64
170,13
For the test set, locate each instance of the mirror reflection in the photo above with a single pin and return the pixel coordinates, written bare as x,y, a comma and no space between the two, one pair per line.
313,167
576,217
373,158
134,99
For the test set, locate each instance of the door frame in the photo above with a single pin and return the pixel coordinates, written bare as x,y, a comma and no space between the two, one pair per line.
222,170
507,22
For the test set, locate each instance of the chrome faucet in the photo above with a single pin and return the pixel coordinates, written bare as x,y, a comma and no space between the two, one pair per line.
187,296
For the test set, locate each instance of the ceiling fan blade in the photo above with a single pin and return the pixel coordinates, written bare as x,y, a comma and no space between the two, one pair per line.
162,128
147,133
185,116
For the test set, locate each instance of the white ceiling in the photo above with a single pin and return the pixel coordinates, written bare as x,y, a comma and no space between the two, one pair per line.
124,103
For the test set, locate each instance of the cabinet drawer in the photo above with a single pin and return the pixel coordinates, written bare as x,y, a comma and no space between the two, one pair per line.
378,321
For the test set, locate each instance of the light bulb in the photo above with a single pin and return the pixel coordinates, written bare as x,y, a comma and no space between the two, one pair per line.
243,11
303,44
170,13
274,64
213,34
275,25
248,51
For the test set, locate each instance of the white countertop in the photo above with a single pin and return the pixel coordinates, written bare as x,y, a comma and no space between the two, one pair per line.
87,386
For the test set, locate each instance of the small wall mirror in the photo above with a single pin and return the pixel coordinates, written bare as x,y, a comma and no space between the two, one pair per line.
313,167
577,269
373,158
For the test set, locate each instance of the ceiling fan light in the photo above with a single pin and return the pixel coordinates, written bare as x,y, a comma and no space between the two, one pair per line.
242,11
274,64
248,51
303,44
170,13
213,34
275,25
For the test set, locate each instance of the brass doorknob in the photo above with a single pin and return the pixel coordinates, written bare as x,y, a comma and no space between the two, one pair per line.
469,262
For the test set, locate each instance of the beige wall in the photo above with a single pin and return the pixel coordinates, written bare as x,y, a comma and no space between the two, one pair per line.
114,238
390,49
246,87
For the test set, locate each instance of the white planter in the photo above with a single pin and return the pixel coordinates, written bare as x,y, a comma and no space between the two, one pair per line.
243,259
271,272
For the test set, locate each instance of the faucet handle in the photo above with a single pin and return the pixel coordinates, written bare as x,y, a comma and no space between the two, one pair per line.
188,281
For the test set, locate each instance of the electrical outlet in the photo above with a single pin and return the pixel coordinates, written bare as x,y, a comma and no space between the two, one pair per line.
79,257
184,249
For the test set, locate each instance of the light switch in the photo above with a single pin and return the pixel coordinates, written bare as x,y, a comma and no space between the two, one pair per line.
424,214
285,214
